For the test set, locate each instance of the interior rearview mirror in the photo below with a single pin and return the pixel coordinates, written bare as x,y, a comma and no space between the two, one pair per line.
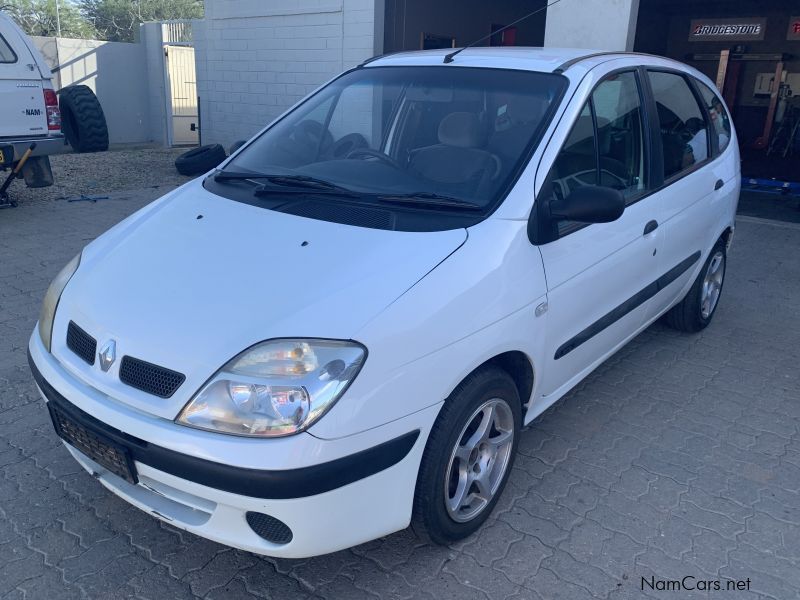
590,204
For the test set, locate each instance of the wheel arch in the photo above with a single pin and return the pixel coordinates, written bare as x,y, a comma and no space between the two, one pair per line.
519,367
726,236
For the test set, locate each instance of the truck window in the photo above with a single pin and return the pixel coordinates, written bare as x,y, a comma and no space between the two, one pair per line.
6,53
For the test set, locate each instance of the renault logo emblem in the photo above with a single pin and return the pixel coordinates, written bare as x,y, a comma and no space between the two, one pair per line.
108,354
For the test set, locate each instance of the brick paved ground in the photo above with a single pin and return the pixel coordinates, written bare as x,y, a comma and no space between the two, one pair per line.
680,456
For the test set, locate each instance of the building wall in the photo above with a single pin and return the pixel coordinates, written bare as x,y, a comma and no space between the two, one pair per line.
256,59
607,25
117,74
151,37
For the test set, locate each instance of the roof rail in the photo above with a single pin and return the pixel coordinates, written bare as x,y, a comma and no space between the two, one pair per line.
566,65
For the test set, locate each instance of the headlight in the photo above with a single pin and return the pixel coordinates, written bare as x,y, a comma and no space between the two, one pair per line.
275,388
51,299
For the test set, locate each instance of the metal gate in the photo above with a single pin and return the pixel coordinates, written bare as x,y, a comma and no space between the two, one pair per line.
181,83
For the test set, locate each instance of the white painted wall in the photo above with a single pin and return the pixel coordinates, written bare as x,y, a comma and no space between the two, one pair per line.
117,74
255,59
597,24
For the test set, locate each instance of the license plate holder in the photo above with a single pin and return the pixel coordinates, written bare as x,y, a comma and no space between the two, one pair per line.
93,444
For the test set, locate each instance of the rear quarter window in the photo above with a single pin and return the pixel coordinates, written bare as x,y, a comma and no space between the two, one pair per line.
720,121
6,53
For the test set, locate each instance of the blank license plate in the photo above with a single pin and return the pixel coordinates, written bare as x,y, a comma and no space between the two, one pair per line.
94,445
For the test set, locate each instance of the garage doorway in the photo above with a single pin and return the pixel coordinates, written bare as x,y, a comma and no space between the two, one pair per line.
752,51
420,24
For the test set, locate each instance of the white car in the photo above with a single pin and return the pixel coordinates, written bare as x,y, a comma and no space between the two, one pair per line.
345,327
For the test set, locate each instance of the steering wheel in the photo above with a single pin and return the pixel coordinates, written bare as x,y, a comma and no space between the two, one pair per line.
621,181
310,135
345,145
367,153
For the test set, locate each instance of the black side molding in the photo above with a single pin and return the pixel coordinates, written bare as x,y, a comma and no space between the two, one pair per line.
256,483
629,305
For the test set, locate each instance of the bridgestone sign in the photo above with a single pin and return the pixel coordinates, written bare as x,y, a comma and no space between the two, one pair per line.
733,30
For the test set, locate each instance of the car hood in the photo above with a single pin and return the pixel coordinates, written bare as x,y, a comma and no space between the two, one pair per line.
194,279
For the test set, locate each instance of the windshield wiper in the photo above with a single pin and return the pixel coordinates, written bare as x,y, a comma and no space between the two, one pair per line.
430,199
286,184
233,175
304,181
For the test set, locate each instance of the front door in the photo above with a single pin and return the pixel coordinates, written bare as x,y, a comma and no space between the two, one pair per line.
598,274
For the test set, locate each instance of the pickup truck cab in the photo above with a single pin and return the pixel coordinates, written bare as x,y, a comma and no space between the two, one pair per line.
30,111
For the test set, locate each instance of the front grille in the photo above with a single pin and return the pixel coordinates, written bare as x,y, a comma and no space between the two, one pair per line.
81,343
149,378
269,528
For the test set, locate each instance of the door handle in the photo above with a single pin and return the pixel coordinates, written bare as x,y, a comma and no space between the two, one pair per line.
719,184
650,227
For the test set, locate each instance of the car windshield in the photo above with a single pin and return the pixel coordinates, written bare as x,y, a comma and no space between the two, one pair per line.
450,136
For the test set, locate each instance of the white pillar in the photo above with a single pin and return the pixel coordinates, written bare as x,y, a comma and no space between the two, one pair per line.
607,25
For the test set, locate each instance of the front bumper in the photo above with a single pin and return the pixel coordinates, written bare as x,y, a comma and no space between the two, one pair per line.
327,505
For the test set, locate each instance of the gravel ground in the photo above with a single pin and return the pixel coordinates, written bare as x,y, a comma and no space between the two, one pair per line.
103,172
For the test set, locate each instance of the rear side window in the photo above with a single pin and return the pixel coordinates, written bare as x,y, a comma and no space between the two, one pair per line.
684,133
6,53
720,122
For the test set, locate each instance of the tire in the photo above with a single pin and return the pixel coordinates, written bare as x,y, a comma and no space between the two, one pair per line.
199,160
82,119
693,313
236,145
443,473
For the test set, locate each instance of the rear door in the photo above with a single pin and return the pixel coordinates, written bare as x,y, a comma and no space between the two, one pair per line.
688,145
22,109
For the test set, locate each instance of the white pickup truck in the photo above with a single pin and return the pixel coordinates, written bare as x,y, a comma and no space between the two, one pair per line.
30,110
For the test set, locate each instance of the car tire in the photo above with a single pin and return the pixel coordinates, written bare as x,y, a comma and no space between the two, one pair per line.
236,145
453,467
82,119
697,308
199,160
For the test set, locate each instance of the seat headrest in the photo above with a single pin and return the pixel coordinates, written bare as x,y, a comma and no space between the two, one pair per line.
461,129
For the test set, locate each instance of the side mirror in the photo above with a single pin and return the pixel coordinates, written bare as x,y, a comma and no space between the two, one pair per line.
590,204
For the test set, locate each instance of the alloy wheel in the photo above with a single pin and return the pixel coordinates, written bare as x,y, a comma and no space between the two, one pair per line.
479,460
712,284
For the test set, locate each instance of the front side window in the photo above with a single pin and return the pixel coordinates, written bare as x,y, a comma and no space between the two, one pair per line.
720,122
684,134
605,146
6,53
458,133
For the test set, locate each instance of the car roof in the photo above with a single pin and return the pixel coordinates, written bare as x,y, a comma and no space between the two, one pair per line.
545,60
